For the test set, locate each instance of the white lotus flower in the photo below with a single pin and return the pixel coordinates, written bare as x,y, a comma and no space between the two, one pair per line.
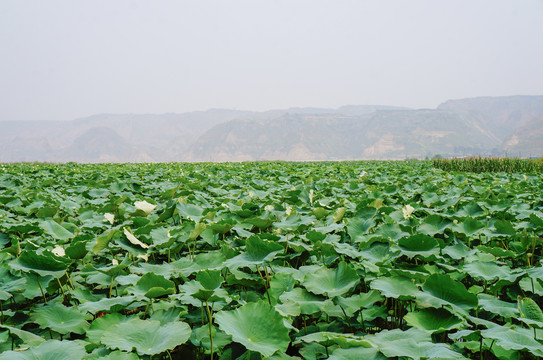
109,217
407,211
59,251
134,240
288,210
144,206
144,257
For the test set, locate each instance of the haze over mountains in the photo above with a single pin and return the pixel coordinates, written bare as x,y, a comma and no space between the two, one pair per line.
485,125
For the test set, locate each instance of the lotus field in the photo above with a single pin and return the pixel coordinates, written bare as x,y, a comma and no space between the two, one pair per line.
339,260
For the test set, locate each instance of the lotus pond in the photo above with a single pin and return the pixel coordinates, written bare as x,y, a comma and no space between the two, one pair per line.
338,260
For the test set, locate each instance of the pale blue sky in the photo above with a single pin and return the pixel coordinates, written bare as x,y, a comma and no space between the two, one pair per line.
64,59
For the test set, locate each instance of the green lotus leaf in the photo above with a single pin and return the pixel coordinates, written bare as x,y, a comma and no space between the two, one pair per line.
468,226
496,251
148,337
433,320
103,240
190,211
434,224
504,227
257,251
77,250
101,324
44,264
10,284
315,236
472,209
48,350
332,282
397,343
212,260
168,314
328,338
27,337
260,222
458,251
56,231
210,279
293,222
536,221
47,211
113,270
281,283
514,338
357,228
223,226
489,271
359,301
257,326
200,337
391,231
153,286
492,304
419,245
106,304
61,319
441,290
309,303
120,355
33,283
395,287
357,353
193,293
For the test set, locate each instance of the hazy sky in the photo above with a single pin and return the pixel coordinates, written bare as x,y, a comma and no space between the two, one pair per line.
63,59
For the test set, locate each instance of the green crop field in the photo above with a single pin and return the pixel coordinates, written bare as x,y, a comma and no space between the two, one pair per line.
273,260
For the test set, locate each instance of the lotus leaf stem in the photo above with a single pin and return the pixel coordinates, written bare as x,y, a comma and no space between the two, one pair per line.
42,292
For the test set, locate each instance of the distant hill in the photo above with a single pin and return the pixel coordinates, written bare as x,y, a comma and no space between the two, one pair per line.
485,125
498,115
526,140
158,137
380,135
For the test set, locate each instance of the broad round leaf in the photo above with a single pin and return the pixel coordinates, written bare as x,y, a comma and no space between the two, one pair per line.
57,231
421,245
445,290
309,303
30,261
357,353
492,304
153,286
61,319
257,326
332,282
488,271
148,337
433,320
395,287
514,339
49,350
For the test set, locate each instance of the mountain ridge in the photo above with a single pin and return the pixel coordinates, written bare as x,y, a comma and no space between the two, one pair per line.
457,127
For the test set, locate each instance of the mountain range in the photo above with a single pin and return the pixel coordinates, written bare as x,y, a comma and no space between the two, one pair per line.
510,125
